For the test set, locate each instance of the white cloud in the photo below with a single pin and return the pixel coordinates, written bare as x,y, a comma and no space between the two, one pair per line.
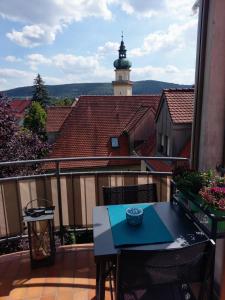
143,7
72,68
52,12
45,18
180,9
169,73
11,78
173,38
33,35
12,59
75,63
36,59
108,48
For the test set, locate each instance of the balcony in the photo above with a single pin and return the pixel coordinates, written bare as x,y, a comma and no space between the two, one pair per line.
74,194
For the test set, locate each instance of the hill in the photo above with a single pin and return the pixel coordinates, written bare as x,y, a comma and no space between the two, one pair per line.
78,89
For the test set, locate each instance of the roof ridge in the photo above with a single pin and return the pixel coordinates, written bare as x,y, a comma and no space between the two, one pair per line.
120,96
132,119
59,107
178,90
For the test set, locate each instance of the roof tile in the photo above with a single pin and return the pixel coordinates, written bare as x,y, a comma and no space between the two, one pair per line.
90,124
56,115
181,104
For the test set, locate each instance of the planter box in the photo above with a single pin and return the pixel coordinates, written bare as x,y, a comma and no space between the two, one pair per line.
212,221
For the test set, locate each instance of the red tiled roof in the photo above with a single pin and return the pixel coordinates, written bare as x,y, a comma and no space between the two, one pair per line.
19,105
148,148
91,123
180,104
136,117
56,115
160,166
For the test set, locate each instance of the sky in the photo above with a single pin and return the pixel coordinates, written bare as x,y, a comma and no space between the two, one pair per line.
73,41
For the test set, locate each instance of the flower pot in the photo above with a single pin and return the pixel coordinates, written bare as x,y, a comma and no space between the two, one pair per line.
194,198
183,198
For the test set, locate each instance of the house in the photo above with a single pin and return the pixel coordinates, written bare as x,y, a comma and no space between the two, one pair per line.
19,107
174,121
56,115
105,126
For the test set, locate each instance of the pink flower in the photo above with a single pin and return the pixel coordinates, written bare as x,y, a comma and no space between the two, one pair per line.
221,204
214,196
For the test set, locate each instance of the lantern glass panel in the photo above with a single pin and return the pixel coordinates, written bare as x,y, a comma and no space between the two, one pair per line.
40,240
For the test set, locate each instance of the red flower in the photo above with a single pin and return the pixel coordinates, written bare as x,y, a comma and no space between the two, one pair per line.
221,203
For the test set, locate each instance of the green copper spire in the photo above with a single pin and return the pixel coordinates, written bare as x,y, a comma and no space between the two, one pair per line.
122,62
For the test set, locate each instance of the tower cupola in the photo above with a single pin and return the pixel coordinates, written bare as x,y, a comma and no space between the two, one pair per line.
122,84
122,62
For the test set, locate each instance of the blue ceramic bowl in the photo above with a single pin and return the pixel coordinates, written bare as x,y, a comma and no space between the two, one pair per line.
134,215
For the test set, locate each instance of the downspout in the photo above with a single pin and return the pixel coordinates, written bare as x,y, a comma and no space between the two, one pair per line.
199,81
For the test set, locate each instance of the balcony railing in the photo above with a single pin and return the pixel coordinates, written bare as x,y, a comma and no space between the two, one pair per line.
74,193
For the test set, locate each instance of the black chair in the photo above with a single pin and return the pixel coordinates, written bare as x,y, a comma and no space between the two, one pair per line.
169,274
130,194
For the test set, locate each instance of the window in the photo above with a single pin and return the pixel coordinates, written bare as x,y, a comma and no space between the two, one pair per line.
163,144
120,78
114,142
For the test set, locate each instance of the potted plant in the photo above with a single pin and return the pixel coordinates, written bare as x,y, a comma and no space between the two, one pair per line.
188,183
214,202
214,198
203,194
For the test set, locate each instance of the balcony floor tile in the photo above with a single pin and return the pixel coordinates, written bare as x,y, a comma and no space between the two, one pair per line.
71,277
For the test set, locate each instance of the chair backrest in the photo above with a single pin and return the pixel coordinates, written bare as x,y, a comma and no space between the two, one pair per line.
140,270
130,194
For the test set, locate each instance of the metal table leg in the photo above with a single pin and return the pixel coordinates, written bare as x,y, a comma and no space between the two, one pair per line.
100,280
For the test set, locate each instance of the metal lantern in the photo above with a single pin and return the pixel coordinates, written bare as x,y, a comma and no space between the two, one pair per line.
40,223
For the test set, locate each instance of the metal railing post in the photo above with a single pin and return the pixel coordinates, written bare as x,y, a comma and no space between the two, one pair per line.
59,202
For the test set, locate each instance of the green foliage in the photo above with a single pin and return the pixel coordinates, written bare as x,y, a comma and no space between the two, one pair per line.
17,144
64,102
40,93
71,236
35,119
189,180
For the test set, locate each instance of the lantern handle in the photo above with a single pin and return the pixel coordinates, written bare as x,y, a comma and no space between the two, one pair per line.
48,206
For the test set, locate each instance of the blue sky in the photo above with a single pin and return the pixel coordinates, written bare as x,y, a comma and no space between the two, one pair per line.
69,41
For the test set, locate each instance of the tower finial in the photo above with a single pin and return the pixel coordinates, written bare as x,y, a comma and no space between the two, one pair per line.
122,35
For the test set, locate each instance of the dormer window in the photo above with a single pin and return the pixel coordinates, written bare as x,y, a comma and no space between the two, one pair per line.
114,142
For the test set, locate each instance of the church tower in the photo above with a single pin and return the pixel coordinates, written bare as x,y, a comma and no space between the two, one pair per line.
122,85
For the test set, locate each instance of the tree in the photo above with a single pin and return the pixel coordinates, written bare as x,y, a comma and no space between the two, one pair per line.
64,102
40,93
35,119
17,144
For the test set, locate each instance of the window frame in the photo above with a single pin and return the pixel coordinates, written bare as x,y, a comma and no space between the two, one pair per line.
111,142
